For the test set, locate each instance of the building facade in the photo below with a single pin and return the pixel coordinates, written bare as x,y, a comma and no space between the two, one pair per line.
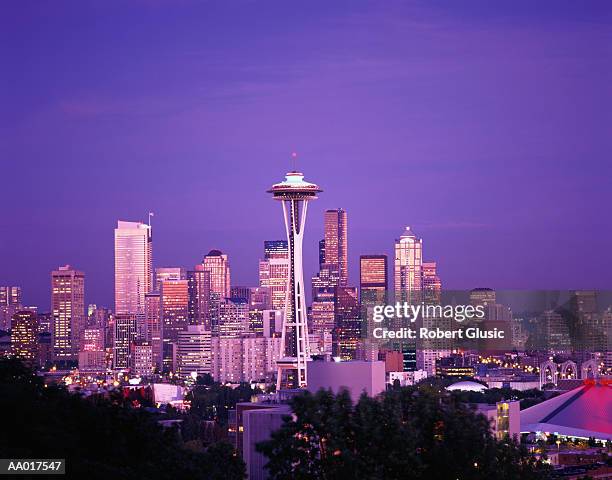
194,354
133,266
68,311
174,317
336,242
24,337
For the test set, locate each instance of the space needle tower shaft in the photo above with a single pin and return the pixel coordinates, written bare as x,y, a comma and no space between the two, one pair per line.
294,194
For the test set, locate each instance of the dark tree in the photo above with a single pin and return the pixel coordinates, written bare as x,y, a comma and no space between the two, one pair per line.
98,439
407,433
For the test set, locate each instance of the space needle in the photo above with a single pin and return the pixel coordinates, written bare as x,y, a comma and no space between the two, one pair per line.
294,193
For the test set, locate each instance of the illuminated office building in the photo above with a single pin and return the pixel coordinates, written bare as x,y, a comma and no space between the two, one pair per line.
233,318
336,242
97,316
153,324
194,353
432,286
10,303
125,336
327,279
217,264
373,280
276,249
408,277
92,339
168,273
92,355
272,323
274,271
432,350
133,266
10,296
24,337
174,317
142,361
373,290
259,298
198,281
323,314
321,252
273,275
68,311
408,273
227,359
347,329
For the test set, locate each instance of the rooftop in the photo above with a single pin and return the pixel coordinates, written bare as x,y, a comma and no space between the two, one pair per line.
467,386
582,412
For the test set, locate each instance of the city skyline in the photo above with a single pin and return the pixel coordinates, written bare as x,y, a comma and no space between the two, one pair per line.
310,265
428,126
175,304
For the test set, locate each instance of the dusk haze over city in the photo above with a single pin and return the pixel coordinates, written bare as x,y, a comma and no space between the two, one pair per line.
276,240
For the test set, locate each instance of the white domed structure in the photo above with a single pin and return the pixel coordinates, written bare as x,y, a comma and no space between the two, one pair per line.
466,386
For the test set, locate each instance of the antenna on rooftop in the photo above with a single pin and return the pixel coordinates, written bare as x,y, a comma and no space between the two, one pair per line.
294,160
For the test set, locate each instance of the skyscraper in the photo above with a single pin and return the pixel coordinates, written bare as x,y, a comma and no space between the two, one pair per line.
216,263
408,267
174,316
125,335
432,286
233,318
133,266
294,194
373,279
198,280
326,280
142,361
10,303
347,328
194,351
259,298
10,296
24,337
431,350
92,355
274,271
373,290
259,301
92,339
154,326
336,242
68,311
324,312
321,252
408,276
168,273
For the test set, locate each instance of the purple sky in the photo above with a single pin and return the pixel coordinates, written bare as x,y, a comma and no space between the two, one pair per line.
484,125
